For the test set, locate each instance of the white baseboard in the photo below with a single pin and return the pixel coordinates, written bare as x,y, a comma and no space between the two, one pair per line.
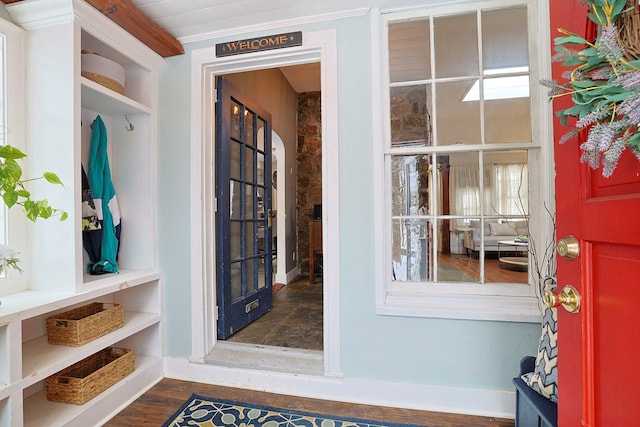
288,277
488,403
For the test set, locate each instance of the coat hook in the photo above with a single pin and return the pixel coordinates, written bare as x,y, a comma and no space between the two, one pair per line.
130,127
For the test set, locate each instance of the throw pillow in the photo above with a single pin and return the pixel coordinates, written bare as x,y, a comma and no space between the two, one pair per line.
522,228
503,229
544,378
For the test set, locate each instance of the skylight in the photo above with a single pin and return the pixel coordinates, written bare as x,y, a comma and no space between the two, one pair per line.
503,87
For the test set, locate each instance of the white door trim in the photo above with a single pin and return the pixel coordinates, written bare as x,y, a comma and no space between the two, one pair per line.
279,154
320,47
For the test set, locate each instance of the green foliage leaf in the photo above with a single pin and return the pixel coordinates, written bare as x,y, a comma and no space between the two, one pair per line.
10,198
52,178
11,152
573,39
619,6
12,171
635,140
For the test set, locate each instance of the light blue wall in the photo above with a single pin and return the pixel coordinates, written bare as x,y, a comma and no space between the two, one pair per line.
475,354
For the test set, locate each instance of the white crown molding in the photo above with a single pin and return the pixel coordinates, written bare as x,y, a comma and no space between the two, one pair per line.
32,15
274,24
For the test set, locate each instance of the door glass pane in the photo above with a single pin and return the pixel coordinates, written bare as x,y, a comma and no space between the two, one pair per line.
248,164
249,118
506,179
453,263
260,134
236,114
236,280
456,46
235,240
260,169
464,186
235,198
410,181
260,203
234,159
250,196
410,115
251,276
250,238
409,51
458,121
411,250
262,272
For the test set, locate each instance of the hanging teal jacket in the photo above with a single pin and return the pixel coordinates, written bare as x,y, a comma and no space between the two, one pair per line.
105,200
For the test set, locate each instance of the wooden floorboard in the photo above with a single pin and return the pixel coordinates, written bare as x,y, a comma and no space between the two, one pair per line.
161,401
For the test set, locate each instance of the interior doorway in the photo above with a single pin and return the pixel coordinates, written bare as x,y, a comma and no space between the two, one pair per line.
318,47
295,319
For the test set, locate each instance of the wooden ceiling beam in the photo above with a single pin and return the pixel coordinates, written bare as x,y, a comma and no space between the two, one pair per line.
128,16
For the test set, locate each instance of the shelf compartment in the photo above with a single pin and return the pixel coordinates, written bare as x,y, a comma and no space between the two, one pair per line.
89,377
41,359
99,98
84,324
38,411
33,303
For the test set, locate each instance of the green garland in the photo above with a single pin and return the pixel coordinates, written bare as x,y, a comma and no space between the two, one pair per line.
604,88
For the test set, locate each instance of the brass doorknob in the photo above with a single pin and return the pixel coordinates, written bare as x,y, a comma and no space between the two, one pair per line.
569,247
569,298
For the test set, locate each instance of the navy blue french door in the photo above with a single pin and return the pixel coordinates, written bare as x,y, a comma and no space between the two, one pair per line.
243,215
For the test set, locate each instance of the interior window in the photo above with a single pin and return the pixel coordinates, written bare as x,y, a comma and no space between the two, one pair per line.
12,94
459,148
3,129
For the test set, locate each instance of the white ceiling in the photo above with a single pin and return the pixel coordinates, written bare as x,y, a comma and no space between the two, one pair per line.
303,78
193,20
186,19
189,20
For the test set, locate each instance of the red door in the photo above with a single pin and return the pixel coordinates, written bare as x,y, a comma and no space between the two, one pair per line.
598,347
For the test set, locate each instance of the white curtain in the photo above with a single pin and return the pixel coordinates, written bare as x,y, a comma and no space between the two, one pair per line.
506,190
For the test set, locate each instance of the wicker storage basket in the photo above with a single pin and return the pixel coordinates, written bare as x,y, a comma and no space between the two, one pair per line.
83,324
86,379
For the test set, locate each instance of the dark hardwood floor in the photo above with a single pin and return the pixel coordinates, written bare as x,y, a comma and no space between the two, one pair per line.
160,402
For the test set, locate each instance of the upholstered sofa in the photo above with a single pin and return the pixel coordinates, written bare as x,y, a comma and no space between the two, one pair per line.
494,230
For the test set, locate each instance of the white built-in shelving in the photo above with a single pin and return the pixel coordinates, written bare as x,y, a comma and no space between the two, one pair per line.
61,106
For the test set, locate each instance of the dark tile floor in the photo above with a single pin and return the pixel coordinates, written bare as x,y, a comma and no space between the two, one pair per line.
295,320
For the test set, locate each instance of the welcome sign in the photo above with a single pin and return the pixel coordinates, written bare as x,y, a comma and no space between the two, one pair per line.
258,44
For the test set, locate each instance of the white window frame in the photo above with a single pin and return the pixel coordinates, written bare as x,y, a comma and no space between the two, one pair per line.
14,85
499,302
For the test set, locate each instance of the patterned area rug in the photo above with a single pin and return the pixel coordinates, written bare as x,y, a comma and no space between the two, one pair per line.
205,412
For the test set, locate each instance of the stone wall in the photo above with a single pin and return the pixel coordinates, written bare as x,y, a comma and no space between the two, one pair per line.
309,157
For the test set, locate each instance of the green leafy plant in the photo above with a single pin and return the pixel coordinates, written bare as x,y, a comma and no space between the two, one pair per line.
604,87
14,192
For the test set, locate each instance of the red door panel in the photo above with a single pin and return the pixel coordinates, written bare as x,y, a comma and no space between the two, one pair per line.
597,347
